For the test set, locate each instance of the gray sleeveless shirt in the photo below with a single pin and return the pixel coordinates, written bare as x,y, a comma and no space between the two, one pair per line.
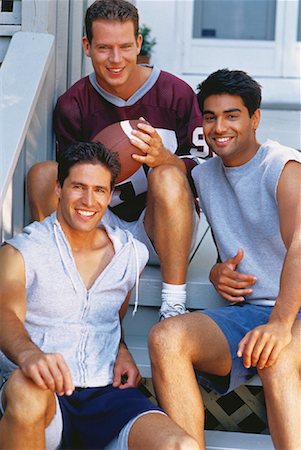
241,206
62,315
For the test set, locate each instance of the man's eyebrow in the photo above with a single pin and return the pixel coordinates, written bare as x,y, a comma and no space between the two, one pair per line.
232,110
78,183
207,111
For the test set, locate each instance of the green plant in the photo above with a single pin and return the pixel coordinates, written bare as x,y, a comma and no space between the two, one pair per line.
148,42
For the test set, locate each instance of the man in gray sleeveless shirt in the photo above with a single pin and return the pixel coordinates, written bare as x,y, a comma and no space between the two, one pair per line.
64,289
250,193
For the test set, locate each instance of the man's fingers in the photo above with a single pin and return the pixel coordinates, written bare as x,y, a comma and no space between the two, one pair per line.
274,354
37,378
230,298
233,288
265,354
262,348
237,277
68,386
117,377
245,348
46,375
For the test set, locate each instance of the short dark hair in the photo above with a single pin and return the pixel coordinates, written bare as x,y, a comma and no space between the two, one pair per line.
233,82
120,10
91,153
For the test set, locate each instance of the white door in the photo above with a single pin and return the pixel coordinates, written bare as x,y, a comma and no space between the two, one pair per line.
259,36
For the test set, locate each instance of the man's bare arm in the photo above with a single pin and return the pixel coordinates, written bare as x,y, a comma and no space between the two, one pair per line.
48,371
262,346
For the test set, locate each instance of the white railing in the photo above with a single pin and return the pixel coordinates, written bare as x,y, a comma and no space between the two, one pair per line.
27,83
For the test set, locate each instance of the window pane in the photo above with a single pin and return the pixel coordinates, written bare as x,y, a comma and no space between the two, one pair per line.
234,19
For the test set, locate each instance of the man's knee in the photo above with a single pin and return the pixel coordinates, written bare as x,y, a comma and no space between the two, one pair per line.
184,442
42,172
166,339
168,181
24,401
287,365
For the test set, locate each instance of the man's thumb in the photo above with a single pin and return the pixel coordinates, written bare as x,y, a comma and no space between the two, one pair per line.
237,258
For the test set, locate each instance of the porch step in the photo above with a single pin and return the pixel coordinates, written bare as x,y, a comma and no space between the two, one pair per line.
200,295
137,343
240,410
225,440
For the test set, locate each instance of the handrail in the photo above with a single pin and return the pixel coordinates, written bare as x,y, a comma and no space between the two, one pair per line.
22,79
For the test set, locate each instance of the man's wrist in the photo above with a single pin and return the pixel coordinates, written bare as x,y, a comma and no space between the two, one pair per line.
122,344
282,318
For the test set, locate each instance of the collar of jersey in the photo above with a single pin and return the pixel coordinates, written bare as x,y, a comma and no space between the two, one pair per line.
117,101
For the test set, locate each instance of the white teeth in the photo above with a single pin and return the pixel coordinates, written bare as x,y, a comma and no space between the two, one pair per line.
222,139
115,70
85,213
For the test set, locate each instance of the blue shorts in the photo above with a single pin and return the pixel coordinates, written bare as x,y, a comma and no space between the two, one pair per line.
93,417
235,321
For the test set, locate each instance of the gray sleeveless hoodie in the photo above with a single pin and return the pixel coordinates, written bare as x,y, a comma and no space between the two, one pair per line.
241,206
62,315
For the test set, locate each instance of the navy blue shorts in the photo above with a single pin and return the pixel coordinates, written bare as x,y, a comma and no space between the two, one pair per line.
235,321
93,417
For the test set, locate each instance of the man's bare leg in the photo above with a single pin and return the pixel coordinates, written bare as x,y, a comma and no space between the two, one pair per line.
41,180
177,346
28,410
282,389
169,221
169,224
158,432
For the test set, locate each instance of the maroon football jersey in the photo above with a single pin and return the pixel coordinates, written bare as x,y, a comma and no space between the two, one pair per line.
165,101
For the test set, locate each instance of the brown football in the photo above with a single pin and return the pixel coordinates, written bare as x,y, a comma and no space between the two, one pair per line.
117,137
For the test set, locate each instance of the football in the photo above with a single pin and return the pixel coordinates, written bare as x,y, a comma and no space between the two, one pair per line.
117,137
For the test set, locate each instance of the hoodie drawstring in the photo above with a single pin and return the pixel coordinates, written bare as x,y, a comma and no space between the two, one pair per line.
137,278
55,228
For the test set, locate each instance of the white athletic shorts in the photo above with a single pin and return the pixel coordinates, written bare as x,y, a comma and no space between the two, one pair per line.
138,231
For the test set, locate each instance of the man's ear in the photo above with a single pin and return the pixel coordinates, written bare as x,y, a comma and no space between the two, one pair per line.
256,119
58,189
86,46
139,43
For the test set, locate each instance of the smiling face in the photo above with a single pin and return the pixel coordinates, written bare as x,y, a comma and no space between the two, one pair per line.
229,130
113,50
84,197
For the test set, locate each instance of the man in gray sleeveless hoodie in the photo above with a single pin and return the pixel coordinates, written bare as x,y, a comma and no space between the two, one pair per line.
64,289
250,194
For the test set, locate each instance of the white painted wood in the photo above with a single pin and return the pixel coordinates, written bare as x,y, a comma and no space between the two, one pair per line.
31,55
75,61
291,50
39,16
61,47
224,440
9,30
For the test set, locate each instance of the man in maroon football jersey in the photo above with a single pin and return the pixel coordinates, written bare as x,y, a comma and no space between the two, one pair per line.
155,203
